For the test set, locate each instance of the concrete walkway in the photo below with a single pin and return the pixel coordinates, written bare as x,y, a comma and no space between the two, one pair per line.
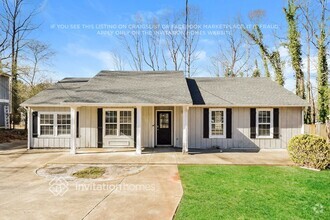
172,156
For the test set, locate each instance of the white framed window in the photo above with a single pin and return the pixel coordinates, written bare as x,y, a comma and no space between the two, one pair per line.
46,124
118,122
54,124
264,123
217,123
63,124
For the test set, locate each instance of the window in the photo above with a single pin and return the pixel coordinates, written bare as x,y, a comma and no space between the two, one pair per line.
111,123
53,124
121,126
46,124
264,122
217,123
63,124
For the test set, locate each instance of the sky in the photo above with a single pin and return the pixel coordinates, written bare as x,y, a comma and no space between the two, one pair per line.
74,29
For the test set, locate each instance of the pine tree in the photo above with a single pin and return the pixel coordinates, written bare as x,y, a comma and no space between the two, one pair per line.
294,46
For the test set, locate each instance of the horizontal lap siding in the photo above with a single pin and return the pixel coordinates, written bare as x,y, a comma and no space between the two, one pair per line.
289,121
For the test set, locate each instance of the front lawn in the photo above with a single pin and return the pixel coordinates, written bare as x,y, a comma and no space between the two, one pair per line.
253,192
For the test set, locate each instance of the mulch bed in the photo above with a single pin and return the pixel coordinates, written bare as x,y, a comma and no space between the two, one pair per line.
11,135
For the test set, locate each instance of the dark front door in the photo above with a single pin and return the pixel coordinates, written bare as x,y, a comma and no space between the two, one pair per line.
163,128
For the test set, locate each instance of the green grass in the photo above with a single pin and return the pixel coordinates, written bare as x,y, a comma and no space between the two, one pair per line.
90,173
253,192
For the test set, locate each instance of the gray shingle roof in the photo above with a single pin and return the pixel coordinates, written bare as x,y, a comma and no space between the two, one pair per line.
166,87
57,93
125,87
241,91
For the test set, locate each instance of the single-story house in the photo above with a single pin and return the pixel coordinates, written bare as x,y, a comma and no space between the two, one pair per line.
4,100
163,108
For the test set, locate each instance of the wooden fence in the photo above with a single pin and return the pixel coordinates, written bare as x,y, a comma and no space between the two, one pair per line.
318,129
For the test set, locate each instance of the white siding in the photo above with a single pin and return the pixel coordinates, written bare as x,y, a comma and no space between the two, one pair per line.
289,122
51,142
88,127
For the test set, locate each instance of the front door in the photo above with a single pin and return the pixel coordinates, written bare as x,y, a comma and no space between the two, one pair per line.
163,128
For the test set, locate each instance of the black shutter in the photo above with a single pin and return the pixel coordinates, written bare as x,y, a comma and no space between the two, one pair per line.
99,127
34,124
253,133
134,127
206,123
276,123
228,122
77,125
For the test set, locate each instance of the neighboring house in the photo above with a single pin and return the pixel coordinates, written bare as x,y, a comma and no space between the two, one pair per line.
148,109
4,100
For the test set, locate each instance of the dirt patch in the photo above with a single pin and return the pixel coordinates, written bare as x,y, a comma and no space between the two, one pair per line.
67,171
7,136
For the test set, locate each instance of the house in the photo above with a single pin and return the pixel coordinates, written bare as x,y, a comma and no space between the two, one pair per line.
148,109
4,100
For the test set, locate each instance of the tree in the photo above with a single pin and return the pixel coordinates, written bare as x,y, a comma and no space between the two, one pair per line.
19,26
294,46
192,17
256,71
234,55
37,55
273,57
308,26
322,68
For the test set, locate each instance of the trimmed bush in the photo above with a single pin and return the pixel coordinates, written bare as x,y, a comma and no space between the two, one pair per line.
309,151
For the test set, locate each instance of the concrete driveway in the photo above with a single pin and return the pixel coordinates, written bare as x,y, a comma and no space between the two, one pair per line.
153,193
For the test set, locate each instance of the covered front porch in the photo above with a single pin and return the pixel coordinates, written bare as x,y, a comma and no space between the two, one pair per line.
112,127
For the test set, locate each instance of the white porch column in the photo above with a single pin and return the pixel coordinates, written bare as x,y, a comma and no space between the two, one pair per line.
138,129
29,127
185,129
73,130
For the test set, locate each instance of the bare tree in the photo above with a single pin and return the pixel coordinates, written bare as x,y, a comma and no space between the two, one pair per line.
38,54
191,38
234,54
174,40
118,61
20,25
308,26
133,43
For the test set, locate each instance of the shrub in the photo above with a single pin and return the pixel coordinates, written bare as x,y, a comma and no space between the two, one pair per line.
310,151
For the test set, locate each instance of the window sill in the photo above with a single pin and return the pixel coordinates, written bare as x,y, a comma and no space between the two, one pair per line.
218,137
264,137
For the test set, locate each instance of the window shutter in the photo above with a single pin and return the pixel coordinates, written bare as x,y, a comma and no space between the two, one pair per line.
206,123
228,122
276,118
77,125
34,124
134,127
253,133
99,127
